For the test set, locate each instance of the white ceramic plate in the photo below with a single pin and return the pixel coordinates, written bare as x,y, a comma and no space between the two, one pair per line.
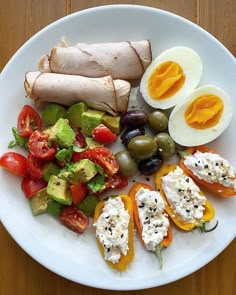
76,257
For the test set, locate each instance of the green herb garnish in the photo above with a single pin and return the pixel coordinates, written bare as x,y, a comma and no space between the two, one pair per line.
97,183
64,155
19,140
54,208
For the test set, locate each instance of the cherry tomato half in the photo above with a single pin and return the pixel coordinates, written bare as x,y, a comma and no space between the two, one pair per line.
28,121
117,181
74,219
30,186
40,147
14,162
103,134
35,166
79,192
79,138
101,156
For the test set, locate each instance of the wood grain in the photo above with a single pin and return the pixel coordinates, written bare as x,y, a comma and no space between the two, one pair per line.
20,20
219,18
185,8
19,273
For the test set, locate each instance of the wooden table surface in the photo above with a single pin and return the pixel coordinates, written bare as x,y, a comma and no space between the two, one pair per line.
19,20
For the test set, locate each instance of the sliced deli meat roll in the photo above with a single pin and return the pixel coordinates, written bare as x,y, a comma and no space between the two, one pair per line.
122,89
121,60
103,94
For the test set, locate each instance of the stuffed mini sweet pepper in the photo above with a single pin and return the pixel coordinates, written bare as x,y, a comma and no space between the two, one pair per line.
113,222
151,220
208,168
186,205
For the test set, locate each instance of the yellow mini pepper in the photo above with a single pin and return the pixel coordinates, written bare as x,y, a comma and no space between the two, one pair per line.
125,260
209,211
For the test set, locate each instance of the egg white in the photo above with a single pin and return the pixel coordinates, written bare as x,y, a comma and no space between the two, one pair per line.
185,135
191,64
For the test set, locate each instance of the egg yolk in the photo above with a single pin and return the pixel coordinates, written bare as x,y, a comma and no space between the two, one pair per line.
165,80
204,112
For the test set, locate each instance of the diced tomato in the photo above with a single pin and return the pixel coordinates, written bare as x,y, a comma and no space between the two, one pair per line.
74,219
14,162
28,121
35,166
100,155
103,134
30,186
40,147
117,181
79,138
79,192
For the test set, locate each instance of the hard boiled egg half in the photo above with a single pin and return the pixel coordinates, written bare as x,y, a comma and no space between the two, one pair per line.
171,77
202,117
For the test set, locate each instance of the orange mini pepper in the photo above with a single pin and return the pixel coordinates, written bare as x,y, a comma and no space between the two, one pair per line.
209,211
125,260
167,239
214,187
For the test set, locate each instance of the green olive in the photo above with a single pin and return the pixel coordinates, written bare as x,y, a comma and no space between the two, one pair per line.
127,165
142,147
166,145
158,120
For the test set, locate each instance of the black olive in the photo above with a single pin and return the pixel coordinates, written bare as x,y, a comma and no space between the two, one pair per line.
150,166
130,133
135,118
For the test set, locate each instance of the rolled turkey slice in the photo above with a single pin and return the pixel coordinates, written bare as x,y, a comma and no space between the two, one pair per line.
122,92
99,93
121,60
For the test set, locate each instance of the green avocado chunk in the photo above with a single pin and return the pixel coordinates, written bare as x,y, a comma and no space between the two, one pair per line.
113,123
59,190
74,113
81,171
39,202
90,120
62,133
52,113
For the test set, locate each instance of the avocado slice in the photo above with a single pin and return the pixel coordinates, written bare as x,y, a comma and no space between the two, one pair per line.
39,202
90,120
113,123
81,171
74,113
62,133
59,190
52,112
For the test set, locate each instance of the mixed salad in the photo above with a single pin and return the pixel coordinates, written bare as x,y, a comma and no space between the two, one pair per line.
66,169
70,168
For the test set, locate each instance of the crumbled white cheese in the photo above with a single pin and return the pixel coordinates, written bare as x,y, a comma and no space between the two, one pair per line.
112,229
183,196
153,220
211,168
